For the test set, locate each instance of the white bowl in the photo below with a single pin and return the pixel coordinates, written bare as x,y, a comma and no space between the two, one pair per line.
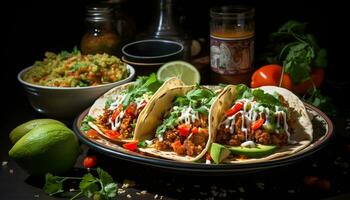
66,102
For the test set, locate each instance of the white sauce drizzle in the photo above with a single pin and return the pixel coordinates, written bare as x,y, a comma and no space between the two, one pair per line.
250,116
149,142
188,115
249,144
118,120
116,103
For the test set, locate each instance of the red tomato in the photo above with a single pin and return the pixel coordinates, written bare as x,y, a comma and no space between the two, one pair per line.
237,107
203,131
112,134
270,75
317,75
116,112
132,146
90,161
130,110
195,130
91,133
184,129
257,124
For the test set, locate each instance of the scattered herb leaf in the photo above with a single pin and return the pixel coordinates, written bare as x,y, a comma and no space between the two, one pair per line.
90,186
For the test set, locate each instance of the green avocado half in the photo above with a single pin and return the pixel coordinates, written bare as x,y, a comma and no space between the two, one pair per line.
256,152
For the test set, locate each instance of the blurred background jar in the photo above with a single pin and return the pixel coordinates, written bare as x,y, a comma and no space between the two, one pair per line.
166,25
101,35
231,44
123,22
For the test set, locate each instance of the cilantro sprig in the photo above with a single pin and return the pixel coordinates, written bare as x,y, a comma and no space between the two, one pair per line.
298,51
200,99
258,95
142,85
85,123
101,187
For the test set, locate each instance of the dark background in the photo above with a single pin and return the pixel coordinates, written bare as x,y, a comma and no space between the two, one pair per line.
34,27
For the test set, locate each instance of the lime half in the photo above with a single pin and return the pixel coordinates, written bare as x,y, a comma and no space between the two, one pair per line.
180,69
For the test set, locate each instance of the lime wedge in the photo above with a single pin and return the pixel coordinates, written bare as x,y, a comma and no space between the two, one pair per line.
180,69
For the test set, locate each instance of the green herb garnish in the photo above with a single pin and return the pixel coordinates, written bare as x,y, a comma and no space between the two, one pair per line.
142,85
85,123
101,187
199,99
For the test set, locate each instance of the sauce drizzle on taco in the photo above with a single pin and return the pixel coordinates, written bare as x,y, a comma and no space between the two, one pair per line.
185,127
257,117
117,112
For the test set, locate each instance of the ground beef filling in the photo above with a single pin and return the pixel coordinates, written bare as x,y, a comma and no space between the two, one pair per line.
126,127
190,146
238,136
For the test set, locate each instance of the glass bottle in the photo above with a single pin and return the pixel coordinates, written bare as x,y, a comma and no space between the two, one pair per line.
167,26
231,44
100,36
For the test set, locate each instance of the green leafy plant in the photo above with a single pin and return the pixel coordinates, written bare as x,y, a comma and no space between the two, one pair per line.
101,187
299,53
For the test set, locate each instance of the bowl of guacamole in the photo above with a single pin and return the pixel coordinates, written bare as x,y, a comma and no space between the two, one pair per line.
64,84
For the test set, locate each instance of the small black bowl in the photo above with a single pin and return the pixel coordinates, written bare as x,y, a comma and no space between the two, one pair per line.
153,51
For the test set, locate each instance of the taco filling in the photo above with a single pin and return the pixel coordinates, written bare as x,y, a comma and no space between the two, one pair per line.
184,129
121,112
256,117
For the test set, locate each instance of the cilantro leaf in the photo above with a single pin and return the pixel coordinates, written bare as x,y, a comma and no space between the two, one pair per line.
104,176
200,93
203,109
142,85
200,99
168,123
85,123
181,101
53,184
142,144
88,185
265,98
297,62
243,91
321,58
102,187
110,190
297,51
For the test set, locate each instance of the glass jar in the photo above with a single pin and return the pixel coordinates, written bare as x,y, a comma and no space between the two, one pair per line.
101,35
232,44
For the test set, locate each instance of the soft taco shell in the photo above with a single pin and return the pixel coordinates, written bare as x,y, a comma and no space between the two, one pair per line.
97,109
145,130
303,129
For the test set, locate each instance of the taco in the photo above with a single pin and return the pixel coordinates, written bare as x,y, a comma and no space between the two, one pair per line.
177,126
116,113
254,125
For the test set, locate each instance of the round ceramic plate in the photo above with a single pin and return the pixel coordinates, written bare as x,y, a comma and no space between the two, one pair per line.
323,130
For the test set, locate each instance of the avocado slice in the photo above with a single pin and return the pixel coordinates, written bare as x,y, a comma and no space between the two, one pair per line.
218,152
256,152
